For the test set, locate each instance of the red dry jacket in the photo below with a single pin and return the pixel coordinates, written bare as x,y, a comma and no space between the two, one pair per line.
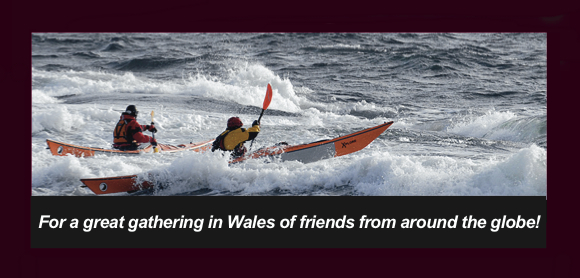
128,130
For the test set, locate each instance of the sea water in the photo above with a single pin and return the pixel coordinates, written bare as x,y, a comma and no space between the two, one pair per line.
469,110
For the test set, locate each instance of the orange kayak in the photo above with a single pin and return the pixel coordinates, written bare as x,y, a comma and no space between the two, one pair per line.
321,149
62,149
305,153
116,184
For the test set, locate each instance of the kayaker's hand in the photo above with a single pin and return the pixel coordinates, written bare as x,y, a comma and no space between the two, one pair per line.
153,142
151,128
255,123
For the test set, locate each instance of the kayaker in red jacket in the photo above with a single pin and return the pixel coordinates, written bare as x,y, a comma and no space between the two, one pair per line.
128,133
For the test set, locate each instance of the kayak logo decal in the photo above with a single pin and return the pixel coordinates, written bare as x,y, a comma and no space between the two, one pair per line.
59,150
103,187
345,144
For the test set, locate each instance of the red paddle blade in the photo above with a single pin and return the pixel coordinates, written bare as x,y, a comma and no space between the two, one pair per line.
268,98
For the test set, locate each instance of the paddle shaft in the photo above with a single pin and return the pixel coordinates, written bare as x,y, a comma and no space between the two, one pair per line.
155,148
267,100
152,123
261,114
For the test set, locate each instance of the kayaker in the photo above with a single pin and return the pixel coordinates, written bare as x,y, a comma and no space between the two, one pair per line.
128,134
233,138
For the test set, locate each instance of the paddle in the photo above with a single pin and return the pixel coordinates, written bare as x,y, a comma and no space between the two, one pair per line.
155,149
267,100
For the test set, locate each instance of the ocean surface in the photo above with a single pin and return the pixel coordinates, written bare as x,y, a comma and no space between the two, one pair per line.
469,110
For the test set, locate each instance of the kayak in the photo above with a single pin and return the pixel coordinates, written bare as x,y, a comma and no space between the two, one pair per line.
62,149
304,153
116,184
323,149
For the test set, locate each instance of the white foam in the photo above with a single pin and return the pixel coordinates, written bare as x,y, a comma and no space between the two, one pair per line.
359,106
245,85
57,119
503,125
90,82
340,46
479,126
55,173
522,173
94,113
40,97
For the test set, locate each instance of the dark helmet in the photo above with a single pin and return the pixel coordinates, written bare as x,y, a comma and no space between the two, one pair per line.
234,122
131,110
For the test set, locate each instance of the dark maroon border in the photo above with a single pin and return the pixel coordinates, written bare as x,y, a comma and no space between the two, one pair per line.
558,18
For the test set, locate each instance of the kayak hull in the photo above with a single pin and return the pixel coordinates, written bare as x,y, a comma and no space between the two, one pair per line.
116,184
61,149
305,153
320,150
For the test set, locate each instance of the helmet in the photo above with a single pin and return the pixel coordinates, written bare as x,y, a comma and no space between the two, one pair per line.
234,122
131,110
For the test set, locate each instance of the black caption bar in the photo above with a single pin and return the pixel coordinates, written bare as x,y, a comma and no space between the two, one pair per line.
288,222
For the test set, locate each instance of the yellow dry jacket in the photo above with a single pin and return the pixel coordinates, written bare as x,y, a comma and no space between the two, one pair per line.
237,137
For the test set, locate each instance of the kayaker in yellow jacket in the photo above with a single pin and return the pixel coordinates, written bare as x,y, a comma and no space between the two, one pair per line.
233,138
